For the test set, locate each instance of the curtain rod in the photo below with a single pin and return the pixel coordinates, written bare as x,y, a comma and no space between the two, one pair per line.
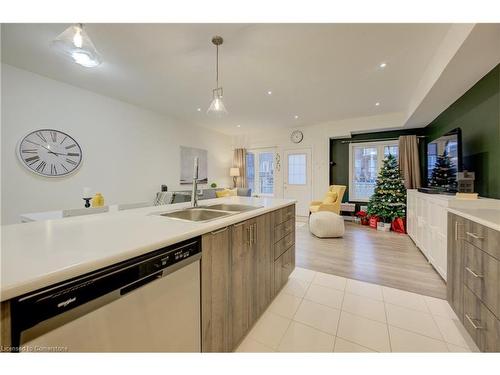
376,140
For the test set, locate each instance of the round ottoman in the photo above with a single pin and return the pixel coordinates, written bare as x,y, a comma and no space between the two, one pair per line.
326,224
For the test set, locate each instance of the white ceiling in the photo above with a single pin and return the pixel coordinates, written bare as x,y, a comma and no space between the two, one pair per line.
320,72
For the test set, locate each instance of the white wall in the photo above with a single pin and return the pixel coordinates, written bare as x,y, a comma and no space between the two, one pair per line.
128,152
317,138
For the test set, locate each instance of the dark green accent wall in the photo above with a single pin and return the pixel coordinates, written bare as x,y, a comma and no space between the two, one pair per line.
339,153
477,114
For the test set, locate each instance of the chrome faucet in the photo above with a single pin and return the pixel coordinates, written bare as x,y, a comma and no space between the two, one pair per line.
194,193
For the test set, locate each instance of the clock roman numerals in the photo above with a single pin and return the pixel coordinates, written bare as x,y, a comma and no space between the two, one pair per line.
50,152
41,166
32,160
40,135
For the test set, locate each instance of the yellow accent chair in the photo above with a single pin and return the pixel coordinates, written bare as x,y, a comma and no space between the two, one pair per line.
331,201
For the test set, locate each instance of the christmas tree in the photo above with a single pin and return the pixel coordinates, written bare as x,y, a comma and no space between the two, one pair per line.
389,198
444,173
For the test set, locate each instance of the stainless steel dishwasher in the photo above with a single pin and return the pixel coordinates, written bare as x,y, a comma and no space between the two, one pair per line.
147,304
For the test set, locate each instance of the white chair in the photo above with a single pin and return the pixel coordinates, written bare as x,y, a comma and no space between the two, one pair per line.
84,211
324,224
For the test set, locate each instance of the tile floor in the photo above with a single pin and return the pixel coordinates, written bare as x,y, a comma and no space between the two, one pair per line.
318,312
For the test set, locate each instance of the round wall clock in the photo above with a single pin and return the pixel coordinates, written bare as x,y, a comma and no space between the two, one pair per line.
297,136
49,153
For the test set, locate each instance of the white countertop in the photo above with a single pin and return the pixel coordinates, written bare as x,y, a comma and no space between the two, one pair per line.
38,254
489,217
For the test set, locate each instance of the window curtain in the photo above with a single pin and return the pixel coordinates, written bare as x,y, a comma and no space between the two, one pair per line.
409,163
240,161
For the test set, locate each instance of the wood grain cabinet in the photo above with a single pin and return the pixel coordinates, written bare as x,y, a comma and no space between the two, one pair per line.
215,282
474,280
283,222
238,270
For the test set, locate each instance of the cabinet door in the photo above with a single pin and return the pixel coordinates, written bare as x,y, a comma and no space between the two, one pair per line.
241,279
263,262
455,263
215,282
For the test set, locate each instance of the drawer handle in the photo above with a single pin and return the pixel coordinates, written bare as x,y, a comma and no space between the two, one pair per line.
220,230
473,273
473,324
474,235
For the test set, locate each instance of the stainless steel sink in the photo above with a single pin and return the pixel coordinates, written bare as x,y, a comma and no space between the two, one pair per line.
197,214
232,207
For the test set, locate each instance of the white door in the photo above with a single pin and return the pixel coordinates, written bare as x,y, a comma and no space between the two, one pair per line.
297,179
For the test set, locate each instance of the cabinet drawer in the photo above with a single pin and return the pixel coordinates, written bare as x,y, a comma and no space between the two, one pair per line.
481,324
483,237
280,216
282,245
283,267
283,229
481,275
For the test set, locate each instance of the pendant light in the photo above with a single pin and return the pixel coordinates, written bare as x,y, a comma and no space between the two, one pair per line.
76,44
217,107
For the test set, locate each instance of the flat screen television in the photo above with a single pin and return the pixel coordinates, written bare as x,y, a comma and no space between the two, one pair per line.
444,161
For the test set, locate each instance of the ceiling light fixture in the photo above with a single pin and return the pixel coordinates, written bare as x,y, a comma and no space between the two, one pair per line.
377,104
383,65
198,109
238,126
76,44
296,117
217,106
269,93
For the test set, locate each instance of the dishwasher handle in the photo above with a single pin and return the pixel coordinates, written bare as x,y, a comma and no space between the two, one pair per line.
146,280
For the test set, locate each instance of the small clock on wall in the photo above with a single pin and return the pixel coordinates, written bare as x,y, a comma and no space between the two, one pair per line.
297,136
50,153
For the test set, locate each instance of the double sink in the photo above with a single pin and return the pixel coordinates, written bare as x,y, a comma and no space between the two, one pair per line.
207,213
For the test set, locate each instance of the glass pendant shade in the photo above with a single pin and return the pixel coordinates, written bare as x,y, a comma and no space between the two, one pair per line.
76,44
217,106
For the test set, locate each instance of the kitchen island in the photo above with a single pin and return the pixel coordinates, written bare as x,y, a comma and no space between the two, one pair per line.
253,250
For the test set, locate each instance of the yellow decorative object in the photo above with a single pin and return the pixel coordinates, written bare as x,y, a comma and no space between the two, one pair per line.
98,200
331,202
226,193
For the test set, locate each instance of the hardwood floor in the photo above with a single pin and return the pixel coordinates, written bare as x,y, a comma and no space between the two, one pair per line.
384,258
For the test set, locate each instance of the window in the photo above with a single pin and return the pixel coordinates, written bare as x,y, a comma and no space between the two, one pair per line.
365,160
260,171
297,170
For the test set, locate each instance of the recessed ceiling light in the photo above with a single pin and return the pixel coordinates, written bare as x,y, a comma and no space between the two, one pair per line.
383,65
296,117
238,126
198,109
269,92
377,104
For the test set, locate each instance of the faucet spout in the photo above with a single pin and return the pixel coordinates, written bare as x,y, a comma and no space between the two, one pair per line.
194,193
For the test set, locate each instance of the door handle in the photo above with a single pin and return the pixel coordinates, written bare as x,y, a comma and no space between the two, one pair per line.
249,238
254,233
